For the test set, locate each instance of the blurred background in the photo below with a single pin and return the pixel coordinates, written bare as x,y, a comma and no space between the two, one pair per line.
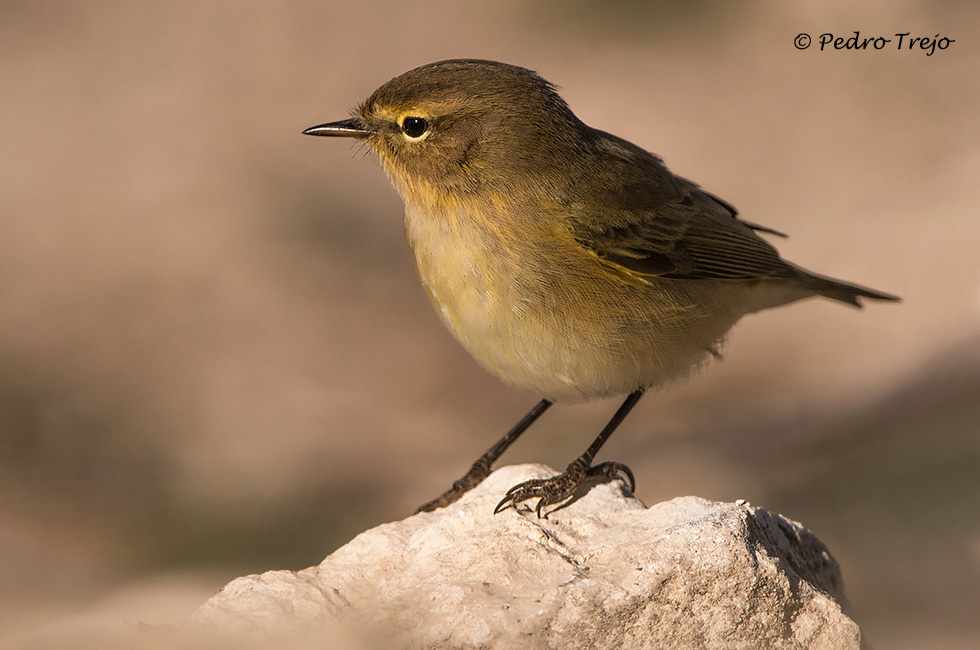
215,358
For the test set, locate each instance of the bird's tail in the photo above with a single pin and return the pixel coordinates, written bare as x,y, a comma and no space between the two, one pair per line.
844,291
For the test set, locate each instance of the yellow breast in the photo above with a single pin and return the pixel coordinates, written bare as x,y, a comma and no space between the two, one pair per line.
546,315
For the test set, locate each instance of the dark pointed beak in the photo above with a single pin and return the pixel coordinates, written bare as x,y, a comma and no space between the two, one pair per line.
352,128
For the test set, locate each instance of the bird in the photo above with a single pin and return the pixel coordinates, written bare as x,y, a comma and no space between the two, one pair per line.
566,260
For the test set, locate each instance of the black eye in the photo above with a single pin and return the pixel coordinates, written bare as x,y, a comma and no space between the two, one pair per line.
414,127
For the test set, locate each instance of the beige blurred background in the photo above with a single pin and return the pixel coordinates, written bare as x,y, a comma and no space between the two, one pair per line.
215,358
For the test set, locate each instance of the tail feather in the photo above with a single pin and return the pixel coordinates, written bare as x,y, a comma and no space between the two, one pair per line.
844,291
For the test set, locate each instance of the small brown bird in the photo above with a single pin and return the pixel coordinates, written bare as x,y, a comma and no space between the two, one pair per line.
566,260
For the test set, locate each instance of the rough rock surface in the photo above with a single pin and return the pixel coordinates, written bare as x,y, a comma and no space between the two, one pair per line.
603,572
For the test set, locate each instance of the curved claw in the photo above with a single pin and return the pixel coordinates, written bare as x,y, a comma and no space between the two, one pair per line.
508,500
542,502
611,470
520,492
549,492
562,486
629,474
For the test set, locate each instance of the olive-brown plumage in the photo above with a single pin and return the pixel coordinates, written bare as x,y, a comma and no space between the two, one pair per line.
566,260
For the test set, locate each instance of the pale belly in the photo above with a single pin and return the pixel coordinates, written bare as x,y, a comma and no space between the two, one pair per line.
548,322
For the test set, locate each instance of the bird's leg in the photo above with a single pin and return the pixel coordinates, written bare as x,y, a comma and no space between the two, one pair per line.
481,468
558,488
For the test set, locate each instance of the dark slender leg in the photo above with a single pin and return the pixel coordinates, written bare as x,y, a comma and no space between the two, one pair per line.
481,468
558,488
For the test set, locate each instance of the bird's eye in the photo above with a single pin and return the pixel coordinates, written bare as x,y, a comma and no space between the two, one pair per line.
414,127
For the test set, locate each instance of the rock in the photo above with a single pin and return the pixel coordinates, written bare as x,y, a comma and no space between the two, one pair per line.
602,572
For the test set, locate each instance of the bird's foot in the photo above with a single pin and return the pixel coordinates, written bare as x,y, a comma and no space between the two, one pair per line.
479,471
561,487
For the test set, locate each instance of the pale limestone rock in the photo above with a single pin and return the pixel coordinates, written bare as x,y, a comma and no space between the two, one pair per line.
603,572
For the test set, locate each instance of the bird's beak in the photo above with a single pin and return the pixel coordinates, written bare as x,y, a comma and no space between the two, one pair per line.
352,128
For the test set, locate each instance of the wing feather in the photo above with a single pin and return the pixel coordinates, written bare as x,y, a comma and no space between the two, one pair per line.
654,223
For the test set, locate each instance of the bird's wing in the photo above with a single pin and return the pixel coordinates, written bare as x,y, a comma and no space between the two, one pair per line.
654,223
